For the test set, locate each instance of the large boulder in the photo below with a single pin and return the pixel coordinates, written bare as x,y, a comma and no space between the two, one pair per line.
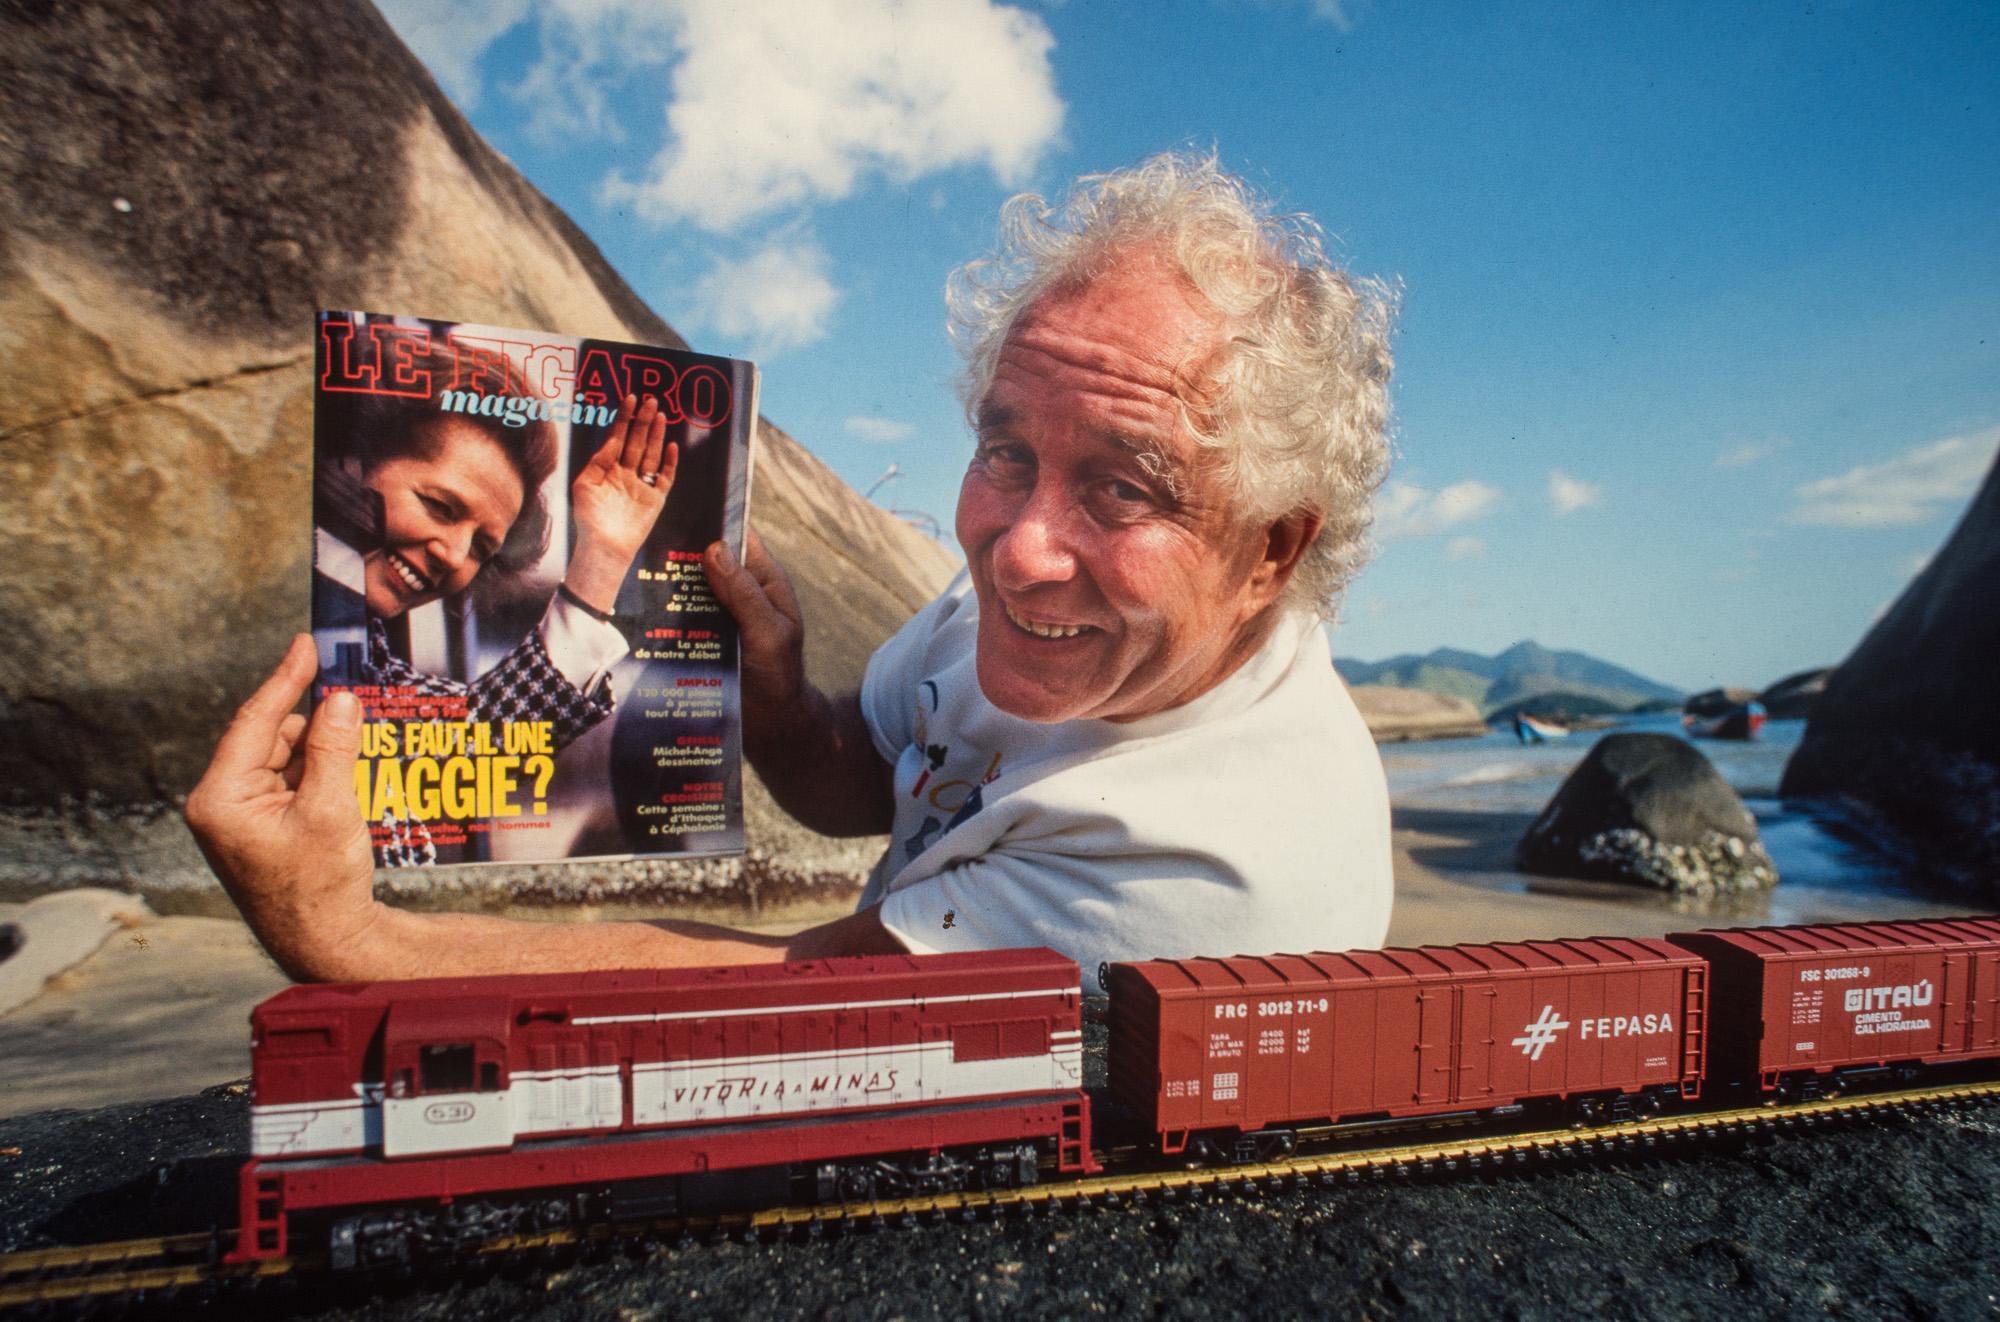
1395,715
181,186
1792,697
1651,810
1905,741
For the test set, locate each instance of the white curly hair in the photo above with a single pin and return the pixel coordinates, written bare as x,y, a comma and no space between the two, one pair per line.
1296,407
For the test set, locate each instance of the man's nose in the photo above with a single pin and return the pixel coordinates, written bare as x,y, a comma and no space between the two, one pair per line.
1037,546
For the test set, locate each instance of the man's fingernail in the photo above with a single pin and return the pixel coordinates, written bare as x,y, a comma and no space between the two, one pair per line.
725,559
342,709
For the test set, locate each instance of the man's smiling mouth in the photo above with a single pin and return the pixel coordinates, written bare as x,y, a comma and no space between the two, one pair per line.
407,573
1041,630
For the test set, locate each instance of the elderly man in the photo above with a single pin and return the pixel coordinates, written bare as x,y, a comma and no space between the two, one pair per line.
1118,733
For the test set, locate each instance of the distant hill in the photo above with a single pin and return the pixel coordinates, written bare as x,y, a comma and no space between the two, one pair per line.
1526,674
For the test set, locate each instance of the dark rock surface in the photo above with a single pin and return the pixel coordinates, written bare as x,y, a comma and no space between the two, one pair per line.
1648,809
1893,1218
1792,698
1905,742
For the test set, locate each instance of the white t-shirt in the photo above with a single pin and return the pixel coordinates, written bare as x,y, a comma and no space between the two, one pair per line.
1252,820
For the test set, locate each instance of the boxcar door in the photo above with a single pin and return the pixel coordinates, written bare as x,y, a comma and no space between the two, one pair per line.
1434,1044
1472,1075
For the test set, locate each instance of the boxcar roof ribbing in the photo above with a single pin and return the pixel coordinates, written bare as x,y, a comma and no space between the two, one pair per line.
1245,973
1840,938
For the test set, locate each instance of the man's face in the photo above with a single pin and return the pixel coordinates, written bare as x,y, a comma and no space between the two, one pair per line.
1113,580
444,515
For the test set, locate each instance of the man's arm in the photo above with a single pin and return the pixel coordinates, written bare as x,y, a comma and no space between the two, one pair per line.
814,752
276,817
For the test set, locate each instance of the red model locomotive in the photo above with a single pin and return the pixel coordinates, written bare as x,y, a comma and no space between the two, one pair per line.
430,1115
395,1119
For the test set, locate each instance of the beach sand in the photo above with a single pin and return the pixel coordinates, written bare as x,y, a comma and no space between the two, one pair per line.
162,1009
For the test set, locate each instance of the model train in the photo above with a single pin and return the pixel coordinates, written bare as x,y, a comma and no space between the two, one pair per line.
397,1119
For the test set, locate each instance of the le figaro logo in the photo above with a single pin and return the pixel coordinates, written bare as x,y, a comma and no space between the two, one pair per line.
1538,1034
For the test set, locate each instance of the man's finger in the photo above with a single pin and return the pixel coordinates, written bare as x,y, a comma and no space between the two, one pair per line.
333,741
289,731
770,575
247,742
740,593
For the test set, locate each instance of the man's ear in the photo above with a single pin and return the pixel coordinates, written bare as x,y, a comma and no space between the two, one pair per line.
1285,543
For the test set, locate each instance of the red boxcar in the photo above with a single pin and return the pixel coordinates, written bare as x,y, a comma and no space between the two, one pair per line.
1808,1002
1213,1048
632,1090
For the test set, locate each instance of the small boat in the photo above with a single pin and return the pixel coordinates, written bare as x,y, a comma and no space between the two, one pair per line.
1742,722
1537,730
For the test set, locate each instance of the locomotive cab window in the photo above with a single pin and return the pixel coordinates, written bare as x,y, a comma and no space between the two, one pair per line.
449,1069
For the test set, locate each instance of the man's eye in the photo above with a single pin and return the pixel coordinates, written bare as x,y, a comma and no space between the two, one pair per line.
437,508
1127,491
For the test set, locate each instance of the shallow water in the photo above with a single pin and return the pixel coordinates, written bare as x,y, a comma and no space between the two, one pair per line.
1822,876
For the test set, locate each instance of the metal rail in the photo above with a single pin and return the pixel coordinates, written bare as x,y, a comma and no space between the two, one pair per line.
173,1262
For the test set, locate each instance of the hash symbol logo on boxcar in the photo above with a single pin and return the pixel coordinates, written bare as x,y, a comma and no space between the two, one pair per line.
1540,1033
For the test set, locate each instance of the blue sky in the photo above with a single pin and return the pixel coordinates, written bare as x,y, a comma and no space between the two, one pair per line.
1700,348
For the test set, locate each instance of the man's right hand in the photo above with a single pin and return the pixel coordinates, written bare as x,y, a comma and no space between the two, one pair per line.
814,752
771,630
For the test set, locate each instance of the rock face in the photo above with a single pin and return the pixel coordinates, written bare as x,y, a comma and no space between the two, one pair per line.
1396,715
1792,697
1718,702
1651,810
181,186
1905,741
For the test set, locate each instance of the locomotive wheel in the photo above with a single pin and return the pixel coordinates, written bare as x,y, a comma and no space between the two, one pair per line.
1646,1105
857,1184
1586,1112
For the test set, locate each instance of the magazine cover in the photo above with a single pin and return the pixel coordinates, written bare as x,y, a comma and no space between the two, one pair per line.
507,536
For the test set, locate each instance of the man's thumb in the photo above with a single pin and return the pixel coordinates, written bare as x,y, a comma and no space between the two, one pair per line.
333,741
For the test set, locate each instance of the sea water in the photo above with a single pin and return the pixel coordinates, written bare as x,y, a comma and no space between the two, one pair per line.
1822,873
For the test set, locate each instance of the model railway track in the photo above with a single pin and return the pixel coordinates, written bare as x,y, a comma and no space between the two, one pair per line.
143,1268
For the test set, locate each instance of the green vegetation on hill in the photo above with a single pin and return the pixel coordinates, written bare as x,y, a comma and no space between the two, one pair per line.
1526,677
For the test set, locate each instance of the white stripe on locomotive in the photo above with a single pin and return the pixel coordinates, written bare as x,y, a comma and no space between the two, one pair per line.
663,1093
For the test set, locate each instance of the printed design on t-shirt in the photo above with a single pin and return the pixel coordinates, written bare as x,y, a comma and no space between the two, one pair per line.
921,841
956,799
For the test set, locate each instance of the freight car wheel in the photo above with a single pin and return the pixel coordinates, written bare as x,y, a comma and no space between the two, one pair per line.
1586,1112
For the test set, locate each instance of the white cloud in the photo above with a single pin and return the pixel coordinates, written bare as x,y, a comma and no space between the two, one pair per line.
1750,452
1464,548
1569,494
779,297
1336,12
880,430
1914,487
449,36
779,104
1403,511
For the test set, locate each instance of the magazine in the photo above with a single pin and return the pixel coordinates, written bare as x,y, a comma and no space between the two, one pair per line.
507,537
